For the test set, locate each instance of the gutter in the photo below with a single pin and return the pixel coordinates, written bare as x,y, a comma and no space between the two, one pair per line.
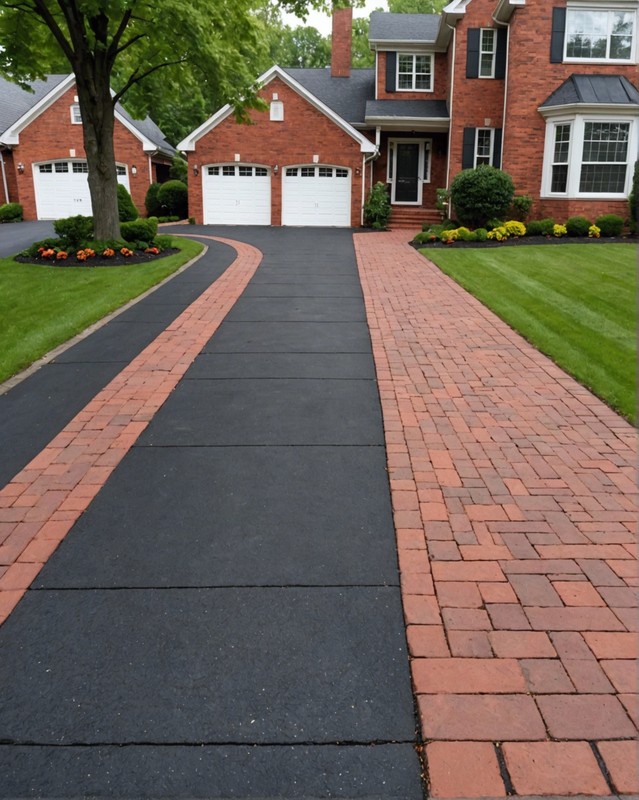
450,107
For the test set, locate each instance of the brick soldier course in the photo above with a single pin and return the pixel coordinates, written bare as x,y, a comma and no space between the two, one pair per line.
514,506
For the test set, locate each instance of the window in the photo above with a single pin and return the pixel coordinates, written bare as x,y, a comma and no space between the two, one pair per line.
559,180
598,35
120,169
214,170
76,116
277,111
605,156
414,73
307,172
326,172
484,146
62,166
261,172
589,157
291,172
228,170
80,167
341,173
246,172
45,168
487,50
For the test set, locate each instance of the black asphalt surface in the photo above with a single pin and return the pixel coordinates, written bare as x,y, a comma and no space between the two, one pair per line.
225,619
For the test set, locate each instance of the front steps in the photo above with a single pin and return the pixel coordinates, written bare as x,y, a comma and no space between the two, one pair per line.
413,217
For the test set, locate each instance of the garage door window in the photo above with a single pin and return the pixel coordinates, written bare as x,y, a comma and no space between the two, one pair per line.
46,167
79,167
62,166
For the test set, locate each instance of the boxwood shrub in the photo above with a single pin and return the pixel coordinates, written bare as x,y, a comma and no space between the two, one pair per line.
74,231
609,224
11,212
139,230
480,194
578,226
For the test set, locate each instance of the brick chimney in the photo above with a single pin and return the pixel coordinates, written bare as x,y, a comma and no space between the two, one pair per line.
341,42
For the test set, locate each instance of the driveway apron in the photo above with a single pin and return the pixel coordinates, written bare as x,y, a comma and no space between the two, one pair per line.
225,618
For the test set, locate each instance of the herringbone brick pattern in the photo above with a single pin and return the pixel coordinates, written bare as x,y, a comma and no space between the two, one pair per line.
513,491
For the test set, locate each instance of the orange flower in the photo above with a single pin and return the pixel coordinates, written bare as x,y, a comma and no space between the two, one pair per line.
61,255
50,253
108,253
153,250
81,255
126,252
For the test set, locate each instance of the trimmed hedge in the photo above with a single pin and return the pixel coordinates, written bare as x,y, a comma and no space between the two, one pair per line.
139,230
609,224
174,199
11,212
74,231
480,194
127,211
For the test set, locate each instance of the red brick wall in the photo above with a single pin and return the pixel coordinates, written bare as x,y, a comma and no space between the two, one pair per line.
304,132
341,42
440,81
529,85
52,135
477,102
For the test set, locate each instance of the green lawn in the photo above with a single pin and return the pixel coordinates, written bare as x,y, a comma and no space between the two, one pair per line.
41,307
576,303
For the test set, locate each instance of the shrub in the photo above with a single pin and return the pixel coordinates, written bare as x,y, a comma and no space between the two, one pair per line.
534,228
515,228
377,209
449,236
559,230
465,235
179,169
126,208
577,226
139,230
74,231
151,201
481,193
424,237
547,226
594,232
163,242
11,212
500,233
522,204
632,200
481,234
173,197
609,224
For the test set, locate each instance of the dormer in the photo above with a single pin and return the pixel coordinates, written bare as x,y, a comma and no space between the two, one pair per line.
406,48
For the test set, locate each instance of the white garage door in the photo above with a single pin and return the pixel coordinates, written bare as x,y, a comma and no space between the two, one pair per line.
316,195
236,194
62,188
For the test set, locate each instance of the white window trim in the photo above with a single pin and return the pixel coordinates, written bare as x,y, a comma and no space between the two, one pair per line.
632,8
492,53
578,123
492,145
414,56
72,110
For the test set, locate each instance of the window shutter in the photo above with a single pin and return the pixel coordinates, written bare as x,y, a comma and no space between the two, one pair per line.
500,53
497,148
391,69
468,148
472,53
558,33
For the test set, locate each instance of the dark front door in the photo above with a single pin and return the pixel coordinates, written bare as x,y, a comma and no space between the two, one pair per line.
407,172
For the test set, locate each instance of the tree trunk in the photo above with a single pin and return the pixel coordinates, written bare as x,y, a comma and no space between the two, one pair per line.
96,105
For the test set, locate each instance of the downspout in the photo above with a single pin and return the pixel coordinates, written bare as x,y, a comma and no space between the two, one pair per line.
373,157
4,178
452,94
503,123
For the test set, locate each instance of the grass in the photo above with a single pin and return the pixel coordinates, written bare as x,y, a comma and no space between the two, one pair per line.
42,306
576,303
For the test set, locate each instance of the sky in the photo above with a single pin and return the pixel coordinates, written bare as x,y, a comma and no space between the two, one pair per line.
323,22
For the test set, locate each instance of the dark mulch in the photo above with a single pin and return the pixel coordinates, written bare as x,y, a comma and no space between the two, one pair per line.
526,240
138,257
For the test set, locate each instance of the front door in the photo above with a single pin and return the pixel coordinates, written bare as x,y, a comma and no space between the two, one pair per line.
407,172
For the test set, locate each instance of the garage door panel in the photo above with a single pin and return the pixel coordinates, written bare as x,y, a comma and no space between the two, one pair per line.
316,196
62,188
236,194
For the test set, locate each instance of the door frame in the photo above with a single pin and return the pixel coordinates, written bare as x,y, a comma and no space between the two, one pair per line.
423,167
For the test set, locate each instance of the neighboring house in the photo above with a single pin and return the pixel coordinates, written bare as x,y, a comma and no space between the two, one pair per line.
42,159
546,91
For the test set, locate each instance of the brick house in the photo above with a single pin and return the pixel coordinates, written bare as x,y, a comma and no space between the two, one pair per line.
546,91
42,160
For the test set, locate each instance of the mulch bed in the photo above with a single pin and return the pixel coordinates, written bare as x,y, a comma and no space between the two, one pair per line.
526,240
117,260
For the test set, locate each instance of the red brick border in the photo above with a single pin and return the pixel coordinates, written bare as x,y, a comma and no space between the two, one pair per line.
41,504
514,501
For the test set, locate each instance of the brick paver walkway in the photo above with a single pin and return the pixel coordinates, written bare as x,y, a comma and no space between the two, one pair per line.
41,504
514,498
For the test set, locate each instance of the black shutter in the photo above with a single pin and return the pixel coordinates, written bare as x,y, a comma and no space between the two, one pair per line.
558,33
472,53
391,69
497,148
500,54
468,149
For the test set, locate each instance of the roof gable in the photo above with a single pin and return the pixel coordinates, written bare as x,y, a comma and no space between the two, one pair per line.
188,144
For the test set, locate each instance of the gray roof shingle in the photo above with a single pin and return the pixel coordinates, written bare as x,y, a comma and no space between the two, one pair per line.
594,90
347,97
15,102
385,26
415,109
